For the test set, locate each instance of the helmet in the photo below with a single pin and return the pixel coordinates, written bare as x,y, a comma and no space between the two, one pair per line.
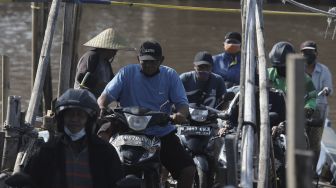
279,52
77,98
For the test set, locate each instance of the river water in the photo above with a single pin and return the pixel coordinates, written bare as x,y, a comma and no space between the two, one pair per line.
181,33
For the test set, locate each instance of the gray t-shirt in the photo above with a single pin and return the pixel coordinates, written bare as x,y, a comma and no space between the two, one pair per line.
214,88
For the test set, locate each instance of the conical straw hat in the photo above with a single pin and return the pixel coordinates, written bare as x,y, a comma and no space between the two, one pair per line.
108,39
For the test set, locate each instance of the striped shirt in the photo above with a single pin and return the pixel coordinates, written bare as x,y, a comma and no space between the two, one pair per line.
77,169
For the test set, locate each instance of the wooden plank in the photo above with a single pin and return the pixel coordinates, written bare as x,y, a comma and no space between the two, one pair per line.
67,47
5,87
295,116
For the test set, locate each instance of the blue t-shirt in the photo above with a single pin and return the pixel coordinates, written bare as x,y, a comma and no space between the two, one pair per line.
130,87
215,88
227,66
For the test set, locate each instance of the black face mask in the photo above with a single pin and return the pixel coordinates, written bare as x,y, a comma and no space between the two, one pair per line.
150,75
281,71
310,58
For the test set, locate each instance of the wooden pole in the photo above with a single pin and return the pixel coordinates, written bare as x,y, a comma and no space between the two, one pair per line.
241,81
247,150
47,87
5,87
43,64
264,146
68,43
295,117
78,10
35,37
12,134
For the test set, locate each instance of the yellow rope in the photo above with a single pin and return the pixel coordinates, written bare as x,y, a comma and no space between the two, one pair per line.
269,12
225,10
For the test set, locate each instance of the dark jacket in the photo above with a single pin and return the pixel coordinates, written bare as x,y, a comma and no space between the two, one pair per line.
47,166
100,72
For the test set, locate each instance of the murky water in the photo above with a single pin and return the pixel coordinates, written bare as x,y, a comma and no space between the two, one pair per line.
181,33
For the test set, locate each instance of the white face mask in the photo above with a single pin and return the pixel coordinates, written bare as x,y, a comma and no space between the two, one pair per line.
75,136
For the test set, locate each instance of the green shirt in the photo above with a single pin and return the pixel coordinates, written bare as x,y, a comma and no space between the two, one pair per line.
279,82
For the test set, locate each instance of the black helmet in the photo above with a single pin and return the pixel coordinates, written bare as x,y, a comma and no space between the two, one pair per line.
78,98
279,52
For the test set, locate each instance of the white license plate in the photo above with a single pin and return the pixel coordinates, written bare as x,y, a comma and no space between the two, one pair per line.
194,130
132,140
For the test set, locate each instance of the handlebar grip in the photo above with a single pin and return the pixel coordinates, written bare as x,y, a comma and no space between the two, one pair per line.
223,116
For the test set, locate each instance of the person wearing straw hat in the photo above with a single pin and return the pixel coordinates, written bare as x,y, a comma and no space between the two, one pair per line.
94,69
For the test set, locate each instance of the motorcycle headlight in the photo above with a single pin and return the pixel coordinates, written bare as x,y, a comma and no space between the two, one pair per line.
198,115
137,123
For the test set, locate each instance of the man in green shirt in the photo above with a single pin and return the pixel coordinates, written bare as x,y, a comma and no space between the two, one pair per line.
277,75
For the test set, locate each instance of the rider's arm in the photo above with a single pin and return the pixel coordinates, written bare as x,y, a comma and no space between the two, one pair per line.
181,115
310,99
103,101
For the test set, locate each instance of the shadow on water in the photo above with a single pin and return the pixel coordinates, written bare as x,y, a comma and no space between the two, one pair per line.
181,33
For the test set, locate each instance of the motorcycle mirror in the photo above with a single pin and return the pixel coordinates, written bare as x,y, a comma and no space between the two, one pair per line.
19,179
130,181
44,134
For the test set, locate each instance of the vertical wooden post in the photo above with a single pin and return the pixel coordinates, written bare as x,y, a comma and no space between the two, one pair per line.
35,37
295,119
43,64
78,11
5,86
68,46
11,130
265,139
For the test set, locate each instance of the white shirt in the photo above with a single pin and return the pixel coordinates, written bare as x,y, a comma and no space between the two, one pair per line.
321,78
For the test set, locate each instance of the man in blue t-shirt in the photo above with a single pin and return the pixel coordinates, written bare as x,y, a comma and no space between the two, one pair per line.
151,85
227,64
201,85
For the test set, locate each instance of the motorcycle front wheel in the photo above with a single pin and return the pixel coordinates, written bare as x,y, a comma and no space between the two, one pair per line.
200,180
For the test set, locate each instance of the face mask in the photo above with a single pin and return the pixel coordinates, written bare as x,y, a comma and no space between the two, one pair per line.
281,71
75,136
203,75
310,58
231,48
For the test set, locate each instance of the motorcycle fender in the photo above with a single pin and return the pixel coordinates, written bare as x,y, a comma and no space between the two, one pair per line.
201,162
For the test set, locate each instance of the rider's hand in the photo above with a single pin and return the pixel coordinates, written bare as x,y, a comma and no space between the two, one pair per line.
178,118
325,91
103,112
280,129
222,131
308,112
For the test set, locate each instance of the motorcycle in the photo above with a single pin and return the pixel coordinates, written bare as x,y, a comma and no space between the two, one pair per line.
197,140
139,153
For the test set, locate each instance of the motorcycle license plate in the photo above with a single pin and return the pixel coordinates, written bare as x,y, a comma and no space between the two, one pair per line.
194,130
132,140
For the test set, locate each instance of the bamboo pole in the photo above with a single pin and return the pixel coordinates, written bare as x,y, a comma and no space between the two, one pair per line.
264,146
5,87
43,64
39,21
68,46
242,79
249,102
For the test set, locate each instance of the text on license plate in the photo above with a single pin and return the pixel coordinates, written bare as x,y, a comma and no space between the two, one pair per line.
193,130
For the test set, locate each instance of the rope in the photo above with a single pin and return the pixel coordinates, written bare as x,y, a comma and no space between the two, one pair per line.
225,10
312,9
